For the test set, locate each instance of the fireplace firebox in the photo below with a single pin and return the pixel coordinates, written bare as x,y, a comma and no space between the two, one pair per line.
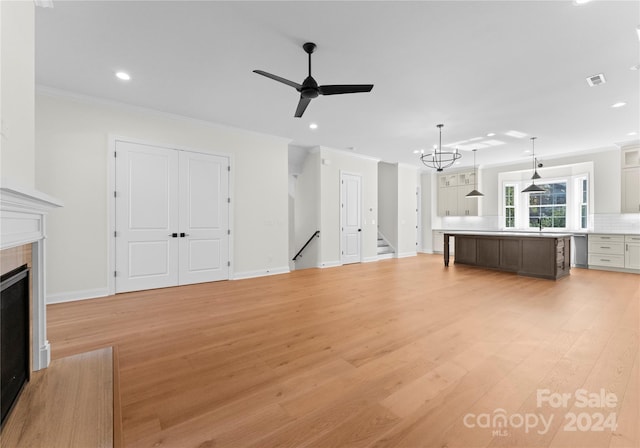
14,337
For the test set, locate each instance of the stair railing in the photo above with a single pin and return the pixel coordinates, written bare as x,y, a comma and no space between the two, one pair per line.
316,233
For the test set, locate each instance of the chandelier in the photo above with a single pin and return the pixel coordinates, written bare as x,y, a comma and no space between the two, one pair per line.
439,159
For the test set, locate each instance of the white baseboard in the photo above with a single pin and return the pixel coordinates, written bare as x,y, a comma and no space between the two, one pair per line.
406,254
330,264
370,259
72,296
260,273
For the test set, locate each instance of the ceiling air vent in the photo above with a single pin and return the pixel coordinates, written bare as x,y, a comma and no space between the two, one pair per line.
596,80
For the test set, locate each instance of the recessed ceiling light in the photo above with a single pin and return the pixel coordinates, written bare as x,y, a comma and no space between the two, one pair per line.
491,134
313,126
635,67
527,151
580,2
123,76
638,31
619,104
416,151
632,133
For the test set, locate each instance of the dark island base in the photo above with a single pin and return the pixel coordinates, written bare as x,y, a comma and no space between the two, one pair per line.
542,256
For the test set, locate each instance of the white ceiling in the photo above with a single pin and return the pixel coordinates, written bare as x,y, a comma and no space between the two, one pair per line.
476,66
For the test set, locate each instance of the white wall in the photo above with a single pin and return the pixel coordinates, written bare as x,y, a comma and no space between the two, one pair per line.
366,167
388,203
407,215
17,40
71,163
307,212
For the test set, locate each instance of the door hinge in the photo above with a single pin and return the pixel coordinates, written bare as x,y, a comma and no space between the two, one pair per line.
115,273
115,154
228,231
228,167
229,200
115,233
115,194
228,263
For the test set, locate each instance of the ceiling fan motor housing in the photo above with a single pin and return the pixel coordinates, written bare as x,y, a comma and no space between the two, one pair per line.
309,88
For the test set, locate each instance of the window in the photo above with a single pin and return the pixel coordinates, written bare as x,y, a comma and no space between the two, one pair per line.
509,206
549,209
584,202
565,204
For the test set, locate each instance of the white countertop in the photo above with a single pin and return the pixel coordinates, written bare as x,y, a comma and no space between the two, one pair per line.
512,234
544,231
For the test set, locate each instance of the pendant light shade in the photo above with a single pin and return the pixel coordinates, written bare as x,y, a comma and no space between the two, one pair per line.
533,188
474,193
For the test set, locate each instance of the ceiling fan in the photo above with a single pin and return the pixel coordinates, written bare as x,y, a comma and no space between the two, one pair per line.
310,89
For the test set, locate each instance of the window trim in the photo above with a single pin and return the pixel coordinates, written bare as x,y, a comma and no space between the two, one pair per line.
571,174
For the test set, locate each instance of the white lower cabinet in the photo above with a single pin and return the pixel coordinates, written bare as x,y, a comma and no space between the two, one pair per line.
609,251
632,252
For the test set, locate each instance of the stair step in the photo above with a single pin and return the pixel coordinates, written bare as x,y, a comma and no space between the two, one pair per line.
385,250
385,256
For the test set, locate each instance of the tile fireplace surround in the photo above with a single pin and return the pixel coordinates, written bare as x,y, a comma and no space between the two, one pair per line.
22,221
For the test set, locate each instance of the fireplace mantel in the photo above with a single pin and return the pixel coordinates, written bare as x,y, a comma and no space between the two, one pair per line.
23,214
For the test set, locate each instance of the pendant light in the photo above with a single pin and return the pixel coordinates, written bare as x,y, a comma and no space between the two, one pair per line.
533,188
474,193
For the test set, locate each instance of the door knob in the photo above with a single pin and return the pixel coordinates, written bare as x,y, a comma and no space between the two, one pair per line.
359,230
173,235
182,234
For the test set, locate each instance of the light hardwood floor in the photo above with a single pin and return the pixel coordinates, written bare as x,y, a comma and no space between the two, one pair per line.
388,354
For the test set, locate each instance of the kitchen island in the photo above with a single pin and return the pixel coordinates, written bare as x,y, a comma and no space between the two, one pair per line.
532,254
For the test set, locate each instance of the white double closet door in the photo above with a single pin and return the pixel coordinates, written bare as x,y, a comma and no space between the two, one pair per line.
172,217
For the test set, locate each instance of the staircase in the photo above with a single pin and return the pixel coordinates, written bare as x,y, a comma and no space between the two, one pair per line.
384,250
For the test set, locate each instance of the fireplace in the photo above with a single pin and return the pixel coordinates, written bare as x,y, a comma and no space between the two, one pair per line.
23,213
14,337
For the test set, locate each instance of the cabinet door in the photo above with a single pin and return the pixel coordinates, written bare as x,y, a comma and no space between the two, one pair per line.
630,157
632,256
442,201
451,201
467,206
631,190
466,251
448,201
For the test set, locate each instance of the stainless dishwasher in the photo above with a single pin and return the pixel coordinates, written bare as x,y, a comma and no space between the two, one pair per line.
579,249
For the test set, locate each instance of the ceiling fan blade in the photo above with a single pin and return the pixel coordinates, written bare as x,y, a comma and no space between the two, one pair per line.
347,88
295,85
302,105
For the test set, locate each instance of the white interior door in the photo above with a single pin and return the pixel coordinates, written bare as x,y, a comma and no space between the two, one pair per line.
204,218
146,200
351,227
172,217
